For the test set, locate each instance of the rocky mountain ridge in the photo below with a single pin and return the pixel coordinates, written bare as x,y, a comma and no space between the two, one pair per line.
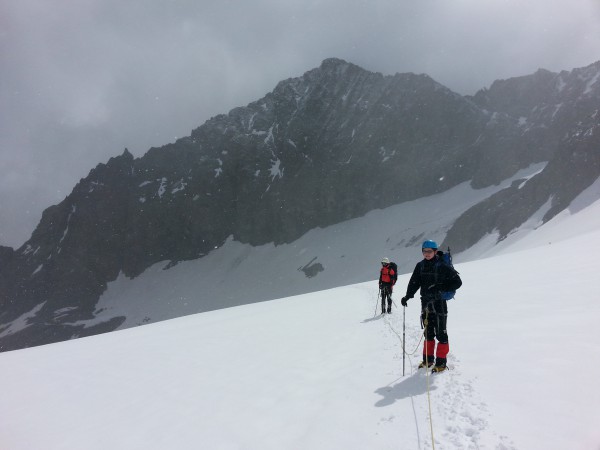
559,111
319,149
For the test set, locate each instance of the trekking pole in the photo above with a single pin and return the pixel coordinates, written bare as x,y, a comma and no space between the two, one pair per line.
403,337
376,304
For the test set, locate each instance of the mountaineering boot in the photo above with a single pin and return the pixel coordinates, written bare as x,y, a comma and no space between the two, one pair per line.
440,359
389,309
425,364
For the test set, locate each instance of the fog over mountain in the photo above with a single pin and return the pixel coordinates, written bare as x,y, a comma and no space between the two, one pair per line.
81,81
319,150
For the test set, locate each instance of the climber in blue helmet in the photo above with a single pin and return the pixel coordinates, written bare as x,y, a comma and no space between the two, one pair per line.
432,276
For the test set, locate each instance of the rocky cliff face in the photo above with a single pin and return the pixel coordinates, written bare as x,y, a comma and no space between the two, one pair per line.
320,149
559,112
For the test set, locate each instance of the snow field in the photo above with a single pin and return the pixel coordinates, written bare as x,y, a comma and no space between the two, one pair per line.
319,371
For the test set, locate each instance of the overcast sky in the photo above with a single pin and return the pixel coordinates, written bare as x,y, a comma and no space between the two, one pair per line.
80,80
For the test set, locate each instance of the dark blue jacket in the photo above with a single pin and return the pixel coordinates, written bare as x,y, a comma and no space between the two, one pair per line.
432,277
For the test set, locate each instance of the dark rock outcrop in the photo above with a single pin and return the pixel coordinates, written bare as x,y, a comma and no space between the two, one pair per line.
319,149
558,112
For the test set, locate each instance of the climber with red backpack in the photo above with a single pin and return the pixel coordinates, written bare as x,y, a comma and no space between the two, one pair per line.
387,279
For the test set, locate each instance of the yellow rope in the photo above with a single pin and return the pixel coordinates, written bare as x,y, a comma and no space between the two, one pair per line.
426,368
427,376
400,337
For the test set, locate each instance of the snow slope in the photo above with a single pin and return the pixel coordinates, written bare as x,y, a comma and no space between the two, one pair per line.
237,273
320,371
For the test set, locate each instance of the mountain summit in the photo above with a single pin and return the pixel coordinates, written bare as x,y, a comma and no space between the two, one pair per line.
318,150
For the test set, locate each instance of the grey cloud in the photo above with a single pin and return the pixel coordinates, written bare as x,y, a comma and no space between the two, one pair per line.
80,81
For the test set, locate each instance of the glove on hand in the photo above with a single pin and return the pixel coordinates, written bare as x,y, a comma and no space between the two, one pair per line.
404,301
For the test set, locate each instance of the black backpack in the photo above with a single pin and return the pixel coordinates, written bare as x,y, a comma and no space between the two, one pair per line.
446,259
394,267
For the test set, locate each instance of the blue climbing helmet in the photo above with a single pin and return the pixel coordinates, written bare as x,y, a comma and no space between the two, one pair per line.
430,244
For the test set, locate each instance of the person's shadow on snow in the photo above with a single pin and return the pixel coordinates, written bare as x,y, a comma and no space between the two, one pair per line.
411,386
371,319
